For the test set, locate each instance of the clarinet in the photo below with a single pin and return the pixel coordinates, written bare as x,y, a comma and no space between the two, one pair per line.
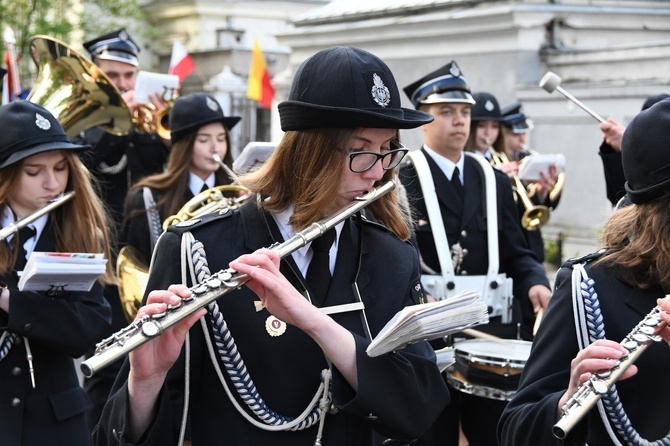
588,394
146,328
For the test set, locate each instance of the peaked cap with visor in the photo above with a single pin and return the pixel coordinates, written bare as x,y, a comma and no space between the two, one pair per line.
446,84
117,46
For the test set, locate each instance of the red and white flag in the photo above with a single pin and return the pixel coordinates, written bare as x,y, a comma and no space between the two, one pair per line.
181,63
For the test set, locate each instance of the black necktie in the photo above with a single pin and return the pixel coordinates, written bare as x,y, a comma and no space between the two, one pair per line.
24,234
456,181
318,273
204,187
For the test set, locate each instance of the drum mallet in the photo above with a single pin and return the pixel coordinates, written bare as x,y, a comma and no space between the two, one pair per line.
551,81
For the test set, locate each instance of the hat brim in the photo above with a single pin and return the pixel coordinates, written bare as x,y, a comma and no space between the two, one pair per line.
50,146
228,121
297,115
455,96
647,194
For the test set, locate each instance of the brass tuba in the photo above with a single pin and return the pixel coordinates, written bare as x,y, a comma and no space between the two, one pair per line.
75,90
534,216
132,271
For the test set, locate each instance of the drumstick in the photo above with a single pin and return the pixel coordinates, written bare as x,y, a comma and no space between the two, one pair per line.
538,319
480,334
551,81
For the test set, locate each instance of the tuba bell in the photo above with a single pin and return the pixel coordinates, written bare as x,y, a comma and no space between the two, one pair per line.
75,90
534,216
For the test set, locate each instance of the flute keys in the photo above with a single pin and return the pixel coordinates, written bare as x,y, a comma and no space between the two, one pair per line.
213,283
150,329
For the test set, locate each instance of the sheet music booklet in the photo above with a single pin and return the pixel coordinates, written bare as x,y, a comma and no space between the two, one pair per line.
428,321
532,165
70,271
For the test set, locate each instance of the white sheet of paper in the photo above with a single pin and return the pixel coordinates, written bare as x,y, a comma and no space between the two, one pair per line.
534,164
148,83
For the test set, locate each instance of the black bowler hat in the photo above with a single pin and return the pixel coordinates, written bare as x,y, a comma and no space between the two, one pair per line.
486,108
29,129
346,87
446,84
117,46
192,111
515,119
645,153
651,100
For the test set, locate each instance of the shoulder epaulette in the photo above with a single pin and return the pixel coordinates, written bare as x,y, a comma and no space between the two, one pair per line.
200,221
584,259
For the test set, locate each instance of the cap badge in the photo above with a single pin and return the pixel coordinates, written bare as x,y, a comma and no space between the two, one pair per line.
274,326
41,122
212,104
123,36
489,105
380,92
454,70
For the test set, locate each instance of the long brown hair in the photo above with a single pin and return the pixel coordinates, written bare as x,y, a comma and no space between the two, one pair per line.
172,183
498,145
637,238
79,224
305,170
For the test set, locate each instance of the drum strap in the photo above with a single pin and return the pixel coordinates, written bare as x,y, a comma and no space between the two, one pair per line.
590,327
448,275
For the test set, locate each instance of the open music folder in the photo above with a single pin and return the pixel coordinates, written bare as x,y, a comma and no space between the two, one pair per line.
73,271
432,320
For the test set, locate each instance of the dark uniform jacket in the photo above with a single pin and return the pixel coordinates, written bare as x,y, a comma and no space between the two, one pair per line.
529,417
400,393
465,222
145,155
613,170
136,224
59,329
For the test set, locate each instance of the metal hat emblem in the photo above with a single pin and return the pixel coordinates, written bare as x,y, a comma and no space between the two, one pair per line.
454,70
41,122
380,92
212,104
489,105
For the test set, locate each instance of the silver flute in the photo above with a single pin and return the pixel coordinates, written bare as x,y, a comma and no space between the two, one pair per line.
148,327
588,394
16,226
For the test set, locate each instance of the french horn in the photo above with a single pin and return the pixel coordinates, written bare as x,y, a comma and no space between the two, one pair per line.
75,90
132,270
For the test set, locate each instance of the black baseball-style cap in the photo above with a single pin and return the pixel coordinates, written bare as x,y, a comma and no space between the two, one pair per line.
29,129
116,45
192,111
346,87
446,84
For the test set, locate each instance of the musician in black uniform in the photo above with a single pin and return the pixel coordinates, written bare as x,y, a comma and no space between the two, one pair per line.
198,130
545,192
617,287
42,332
485,122
610,154
118,162
445,94
341,122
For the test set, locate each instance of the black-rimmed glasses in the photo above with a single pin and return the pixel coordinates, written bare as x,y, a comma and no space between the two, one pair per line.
362,161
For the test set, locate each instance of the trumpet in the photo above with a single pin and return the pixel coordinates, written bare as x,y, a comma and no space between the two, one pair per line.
16,226
588,394
534,216
146,119
218,284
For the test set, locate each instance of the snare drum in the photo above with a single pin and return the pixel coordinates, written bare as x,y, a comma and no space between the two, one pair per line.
490,369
